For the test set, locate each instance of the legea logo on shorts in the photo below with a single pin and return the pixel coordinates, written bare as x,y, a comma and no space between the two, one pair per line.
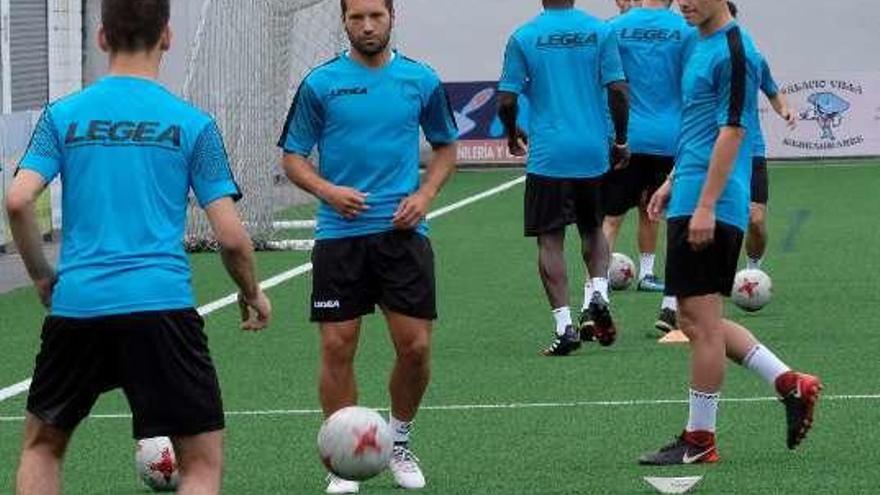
333,304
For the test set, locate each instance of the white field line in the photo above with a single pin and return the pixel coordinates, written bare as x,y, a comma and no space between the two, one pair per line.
505,407
22,387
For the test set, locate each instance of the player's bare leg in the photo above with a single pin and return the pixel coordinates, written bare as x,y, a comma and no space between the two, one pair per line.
409,380
337,384
756,237
201,463
43,447
554,276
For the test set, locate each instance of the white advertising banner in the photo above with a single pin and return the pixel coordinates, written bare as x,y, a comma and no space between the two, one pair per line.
838,115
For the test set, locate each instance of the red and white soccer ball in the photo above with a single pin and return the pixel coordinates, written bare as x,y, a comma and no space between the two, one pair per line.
156,464
752,290
621,272
355,443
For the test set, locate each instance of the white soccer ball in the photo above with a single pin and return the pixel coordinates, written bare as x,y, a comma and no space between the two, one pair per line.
752,289
621,272
355,443
156,464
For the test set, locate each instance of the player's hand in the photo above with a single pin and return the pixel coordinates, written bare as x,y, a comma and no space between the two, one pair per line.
349,202
659,201
790,118
519,144
411,211
45,286
701,231
256,311
619,156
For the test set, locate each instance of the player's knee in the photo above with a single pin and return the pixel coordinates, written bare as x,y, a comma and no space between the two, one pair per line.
613,222
757,217
415,352
45,439
338,347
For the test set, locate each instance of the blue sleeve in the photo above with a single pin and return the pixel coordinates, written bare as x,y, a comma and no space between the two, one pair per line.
44,154
210,175
611,66
736,83
437,119
515,73
305,122
768,84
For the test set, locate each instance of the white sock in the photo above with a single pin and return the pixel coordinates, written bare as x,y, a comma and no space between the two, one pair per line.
588,293
703,411
762,361
600,285
669,302
563,319
754,263
399,429
646,265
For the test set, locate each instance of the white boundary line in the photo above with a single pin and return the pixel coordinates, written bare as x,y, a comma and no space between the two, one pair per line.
22,387
504,407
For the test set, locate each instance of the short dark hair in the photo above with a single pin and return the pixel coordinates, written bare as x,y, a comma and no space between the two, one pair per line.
733,8
389,4
134,25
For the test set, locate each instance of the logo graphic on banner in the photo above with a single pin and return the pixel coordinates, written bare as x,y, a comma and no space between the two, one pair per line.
480,131
827,110
835,117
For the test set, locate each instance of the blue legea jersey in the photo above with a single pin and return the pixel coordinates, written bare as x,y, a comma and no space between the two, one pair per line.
720,88
562,61
654,44
365,123
128,153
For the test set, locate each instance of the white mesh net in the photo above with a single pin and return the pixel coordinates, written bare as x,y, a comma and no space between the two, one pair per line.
245,65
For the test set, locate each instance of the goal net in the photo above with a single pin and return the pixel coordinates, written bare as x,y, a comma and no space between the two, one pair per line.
245,64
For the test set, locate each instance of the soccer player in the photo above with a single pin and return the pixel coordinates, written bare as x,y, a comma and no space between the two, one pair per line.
708,213
121,308
564,61
654,42
756,235
363,109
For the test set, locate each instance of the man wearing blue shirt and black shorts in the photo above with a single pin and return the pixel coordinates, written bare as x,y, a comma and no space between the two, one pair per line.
708,202
363,110
128,153
654,44
564,61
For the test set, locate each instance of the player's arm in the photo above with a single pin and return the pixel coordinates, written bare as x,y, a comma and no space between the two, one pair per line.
618,104
702,228
40,165
611,75
303,128
737,86
777,100
438,124
347,201
215,189
237,252
21,207
514,77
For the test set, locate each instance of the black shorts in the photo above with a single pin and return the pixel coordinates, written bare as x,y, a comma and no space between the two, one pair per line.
760,181
552,204
160,360
699,273
393,269
634,185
